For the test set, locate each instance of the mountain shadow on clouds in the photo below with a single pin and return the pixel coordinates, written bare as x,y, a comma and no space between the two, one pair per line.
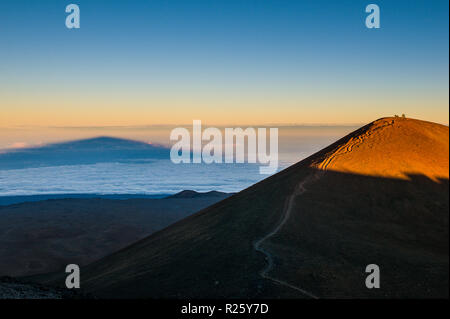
87,151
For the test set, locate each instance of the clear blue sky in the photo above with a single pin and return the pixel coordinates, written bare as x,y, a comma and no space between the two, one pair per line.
138,62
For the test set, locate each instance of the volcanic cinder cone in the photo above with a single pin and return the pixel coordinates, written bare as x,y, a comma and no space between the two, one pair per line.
377,196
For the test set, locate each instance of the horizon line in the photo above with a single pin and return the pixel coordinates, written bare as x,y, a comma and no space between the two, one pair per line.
182,125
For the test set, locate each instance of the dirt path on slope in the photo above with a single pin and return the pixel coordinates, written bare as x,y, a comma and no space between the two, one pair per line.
348,147
300,189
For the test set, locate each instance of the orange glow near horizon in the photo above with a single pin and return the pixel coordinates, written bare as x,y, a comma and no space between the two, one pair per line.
222,111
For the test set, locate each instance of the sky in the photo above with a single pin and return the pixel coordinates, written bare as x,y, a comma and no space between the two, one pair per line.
135,63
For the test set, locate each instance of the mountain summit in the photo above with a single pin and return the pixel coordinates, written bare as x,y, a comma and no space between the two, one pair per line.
377,196
391,147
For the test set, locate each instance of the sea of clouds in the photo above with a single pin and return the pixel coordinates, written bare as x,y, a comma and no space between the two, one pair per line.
151,177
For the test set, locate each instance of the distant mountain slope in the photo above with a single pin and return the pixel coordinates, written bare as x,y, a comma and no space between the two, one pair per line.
88,151
194,194
45,236
17,199
377,196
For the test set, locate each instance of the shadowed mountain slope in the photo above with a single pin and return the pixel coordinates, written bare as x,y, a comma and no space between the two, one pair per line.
377,196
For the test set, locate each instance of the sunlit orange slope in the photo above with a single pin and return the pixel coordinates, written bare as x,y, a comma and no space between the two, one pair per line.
392,147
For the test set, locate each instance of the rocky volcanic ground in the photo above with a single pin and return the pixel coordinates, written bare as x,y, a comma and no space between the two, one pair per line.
11,288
